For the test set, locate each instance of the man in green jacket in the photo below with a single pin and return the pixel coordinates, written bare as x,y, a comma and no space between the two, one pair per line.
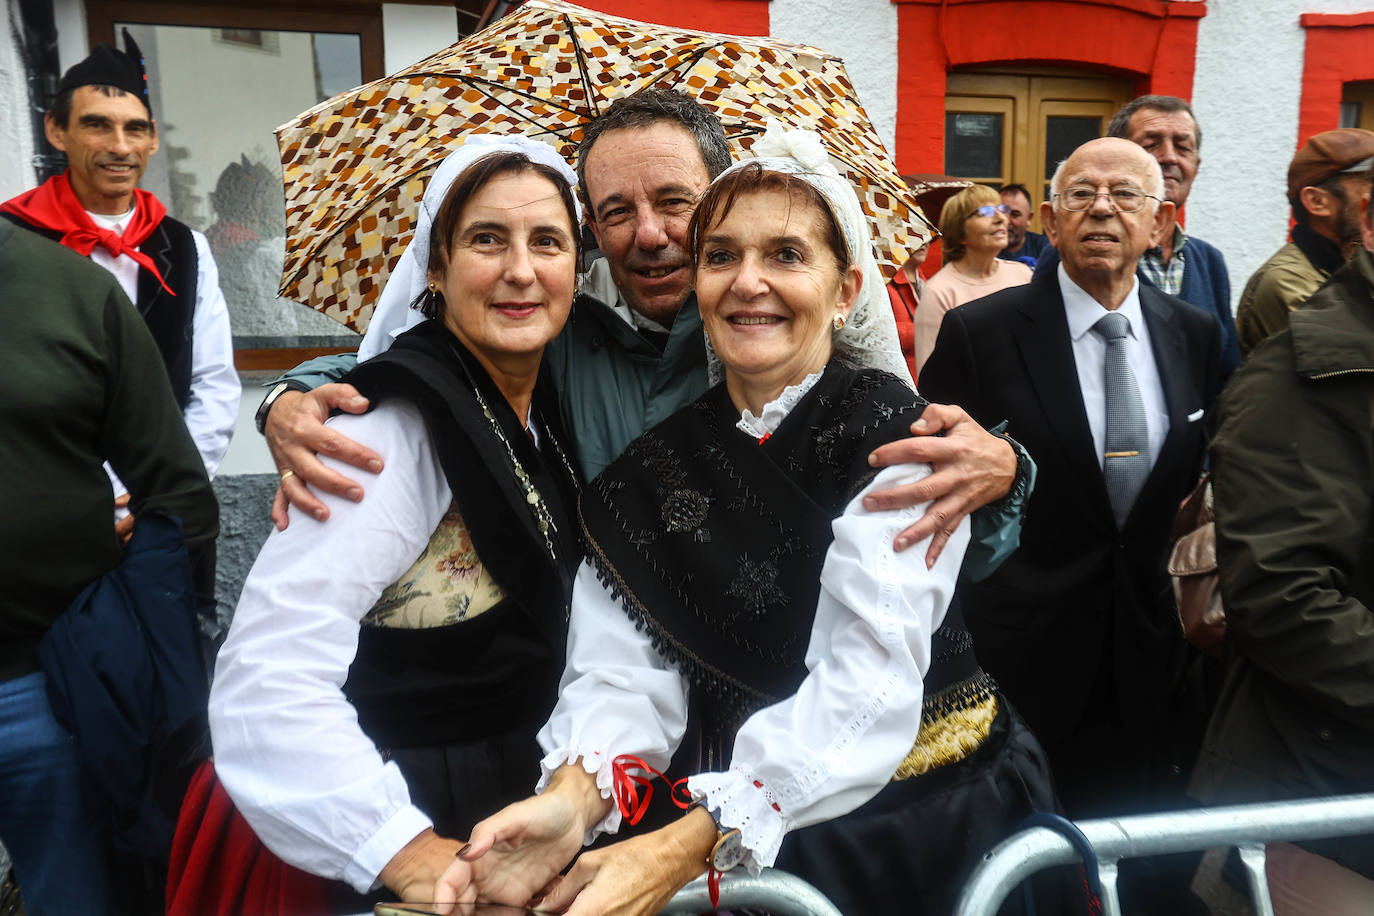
633,351
82,382
1326,181
1293,465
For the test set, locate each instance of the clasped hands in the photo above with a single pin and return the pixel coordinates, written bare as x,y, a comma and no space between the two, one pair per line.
517,855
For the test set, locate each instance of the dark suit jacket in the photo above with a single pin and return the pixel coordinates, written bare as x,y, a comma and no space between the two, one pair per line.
1083,611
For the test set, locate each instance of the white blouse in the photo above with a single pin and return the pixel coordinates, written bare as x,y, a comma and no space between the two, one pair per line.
816,755
287,744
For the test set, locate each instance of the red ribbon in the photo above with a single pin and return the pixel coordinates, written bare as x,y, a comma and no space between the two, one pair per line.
53,206
627,785
632,806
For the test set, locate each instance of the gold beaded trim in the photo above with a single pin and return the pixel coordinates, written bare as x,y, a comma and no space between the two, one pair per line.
954,724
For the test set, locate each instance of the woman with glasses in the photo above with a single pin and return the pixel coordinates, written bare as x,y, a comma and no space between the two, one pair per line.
974,225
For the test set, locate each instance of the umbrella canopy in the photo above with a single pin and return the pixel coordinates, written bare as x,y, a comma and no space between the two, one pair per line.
355,166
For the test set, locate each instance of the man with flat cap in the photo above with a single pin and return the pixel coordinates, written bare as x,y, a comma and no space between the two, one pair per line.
1327,179
103,122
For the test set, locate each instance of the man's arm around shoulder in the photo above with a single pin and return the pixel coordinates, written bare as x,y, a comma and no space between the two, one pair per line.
995,475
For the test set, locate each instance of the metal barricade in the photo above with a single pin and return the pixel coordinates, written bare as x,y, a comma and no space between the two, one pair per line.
1247,827
776,891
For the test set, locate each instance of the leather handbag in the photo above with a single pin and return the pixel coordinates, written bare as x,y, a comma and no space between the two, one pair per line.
1193,568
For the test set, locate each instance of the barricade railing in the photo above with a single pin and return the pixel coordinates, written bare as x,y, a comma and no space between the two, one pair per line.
1246,827
778,892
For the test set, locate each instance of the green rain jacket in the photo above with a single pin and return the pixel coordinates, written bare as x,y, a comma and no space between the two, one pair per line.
1293,465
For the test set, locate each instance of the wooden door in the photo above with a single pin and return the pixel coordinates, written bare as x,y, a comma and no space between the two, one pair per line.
1004,127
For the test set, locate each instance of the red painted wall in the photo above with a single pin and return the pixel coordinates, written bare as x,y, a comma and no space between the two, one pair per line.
733,17
1340,49
1152,41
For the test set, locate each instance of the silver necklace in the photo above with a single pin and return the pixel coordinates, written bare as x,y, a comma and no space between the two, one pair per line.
543,519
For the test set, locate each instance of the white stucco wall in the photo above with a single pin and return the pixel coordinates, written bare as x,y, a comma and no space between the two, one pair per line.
412,32
1246,93
864,34
16,129
70,18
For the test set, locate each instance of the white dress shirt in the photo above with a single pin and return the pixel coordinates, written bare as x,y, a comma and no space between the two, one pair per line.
1090,356
818,754
213,406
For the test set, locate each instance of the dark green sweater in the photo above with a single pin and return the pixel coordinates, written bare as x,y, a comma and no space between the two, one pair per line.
81,382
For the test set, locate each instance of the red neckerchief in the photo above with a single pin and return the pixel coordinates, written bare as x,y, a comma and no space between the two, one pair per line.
53,206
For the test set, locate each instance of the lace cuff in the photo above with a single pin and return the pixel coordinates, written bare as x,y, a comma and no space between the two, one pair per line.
596,763
747,804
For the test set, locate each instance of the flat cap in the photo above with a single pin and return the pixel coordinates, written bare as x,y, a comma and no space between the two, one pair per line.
1347,149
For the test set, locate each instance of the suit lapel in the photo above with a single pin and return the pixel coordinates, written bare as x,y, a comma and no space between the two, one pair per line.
1167,345
157,246
1166,341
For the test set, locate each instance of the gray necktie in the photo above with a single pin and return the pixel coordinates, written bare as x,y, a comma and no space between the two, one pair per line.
1127,461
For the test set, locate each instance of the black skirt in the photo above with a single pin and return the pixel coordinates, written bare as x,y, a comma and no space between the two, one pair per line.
911,848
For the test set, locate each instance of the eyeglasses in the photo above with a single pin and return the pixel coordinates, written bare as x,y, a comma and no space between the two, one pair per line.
1123,200
988,210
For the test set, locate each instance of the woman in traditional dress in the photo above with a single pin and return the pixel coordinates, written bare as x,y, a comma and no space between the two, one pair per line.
734,582
385,673
973,232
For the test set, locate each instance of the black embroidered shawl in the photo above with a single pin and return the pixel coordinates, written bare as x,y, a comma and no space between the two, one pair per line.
714,541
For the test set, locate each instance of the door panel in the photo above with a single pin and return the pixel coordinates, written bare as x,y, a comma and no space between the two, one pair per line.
1038,119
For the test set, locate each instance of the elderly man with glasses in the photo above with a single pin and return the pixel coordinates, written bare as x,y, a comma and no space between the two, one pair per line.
1179,264
1106,380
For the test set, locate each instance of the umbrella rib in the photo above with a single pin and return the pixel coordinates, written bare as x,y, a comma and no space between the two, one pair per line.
687,63
478,83
582,67
528,119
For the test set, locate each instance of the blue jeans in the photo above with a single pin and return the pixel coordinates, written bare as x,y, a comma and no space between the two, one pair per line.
48,822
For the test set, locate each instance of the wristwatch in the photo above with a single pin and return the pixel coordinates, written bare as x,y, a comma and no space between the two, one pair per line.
725,855
260,418
729,849
1024,480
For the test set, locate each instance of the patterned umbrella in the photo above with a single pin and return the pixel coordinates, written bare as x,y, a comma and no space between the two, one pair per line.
355,166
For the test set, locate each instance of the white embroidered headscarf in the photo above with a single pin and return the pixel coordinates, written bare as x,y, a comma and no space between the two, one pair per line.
870,335
393,313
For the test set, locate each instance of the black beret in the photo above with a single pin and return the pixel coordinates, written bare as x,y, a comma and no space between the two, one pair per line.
107,66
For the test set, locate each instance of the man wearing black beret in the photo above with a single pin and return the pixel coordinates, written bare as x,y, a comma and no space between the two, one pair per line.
102,119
